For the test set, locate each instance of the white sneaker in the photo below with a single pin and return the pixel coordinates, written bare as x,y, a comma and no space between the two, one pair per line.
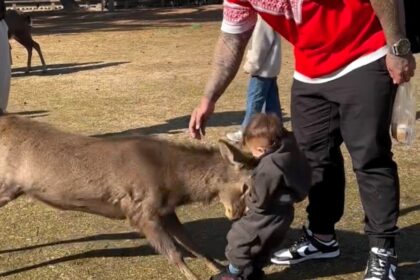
235,136
307,248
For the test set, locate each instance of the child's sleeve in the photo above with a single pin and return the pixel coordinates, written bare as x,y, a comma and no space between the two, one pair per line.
266,182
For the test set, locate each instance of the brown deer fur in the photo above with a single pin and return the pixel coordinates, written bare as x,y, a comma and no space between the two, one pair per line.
140,179
20,29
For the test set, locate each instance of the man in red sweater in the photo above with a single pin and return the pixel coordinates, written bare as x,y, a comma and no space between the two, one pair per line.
349,58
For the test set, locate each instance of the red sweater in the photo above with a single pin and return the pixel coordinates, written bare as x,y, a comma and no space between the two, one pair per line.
327,35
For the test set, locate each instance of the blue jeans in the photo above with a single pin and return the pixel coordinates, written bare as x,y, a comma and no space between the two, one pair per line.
262,96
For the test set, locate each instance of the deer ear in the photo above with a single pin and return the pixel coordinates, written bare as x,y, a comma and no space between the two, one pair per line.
232,154
246,188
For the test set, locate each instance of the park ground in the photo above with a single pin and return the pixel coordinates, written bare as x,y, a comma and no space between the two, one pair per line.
142,72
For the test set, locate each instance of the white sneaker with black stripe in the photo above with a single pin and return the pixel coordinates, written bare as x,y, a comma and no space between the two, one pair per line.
382,265
307,248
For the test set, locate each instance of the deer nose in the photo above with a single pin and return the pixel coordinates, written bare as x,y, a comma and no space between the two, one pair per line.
228,213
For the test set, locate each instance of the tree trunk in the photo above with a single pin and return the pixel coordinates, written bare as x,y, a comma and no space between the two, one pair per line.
69,4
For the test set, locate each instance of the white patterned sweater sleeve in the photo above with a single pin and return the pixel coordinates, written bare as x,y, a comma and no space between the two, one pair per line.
236,18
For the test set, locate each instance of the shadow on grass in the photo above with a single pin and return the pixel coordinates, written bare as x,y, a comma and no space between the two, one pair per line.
212,242
195,228
99,237
354,248
31,114
408,210
180,124
100,253
60,22
64,68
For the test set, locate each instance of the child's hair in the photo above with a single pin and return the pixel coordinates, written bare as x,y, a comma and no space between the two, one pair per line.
268,126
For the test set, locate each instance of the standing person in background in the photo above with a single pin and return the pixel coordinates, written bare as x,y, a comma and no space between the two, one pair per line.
4,60
263,64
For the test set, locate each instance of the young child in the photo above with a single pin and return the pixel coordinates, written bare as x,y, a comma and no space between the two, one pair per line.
281,178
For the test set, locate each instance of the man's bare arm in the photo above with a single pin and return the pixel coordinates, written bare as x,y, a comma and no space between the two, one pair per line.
401,68
387,12
228,55
227,58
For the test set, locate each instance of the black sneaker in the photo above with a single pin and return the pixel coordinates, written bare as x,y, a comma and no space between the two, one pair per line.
306,248
382,265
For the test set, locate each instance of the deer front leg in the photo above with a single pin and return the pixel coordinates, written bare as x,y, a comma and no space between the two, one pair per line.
8,193
177,230
156,234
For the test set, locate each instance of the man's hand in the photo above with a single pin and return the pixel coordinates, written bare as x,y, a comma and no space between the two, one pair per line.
199,117
227,58
401,69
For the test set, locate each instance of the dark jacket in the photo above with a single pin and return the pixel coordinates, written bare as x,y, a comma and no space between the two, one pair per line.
2,9
283,176
280,179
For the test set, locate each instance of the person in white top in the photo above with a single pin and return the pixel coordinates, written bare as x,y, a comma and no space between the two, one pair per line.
5,70
263,64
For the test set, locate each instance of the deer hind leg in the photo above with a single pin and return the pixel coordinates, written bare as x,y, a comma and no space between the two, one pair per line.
29,67
162,242
37,47
177,230
8,193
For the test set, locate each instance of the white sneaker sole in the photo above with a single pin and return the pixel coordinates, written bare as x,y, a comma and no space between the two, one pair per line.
331,255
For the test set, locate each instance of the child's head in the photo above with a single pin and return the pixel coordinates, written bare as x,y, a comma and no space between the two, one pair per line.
263,134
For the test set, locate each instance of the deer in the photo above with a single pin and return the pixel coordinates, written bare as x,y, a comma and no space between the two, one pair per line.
141,179
20,29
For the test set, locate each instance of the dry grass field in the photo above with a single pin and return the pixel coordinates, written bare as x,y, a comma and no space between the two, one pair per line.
142,72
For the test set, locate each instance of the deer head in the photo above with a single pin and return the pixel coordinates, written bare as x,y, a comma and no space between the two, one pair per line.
233,192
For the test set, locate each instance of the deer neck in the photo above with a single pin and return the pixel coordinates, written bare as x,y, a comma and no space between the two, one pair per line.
211,174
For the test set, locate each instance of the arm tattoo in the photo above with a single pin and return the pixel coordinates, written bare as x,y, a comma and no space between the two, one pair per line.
388,15
227,59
